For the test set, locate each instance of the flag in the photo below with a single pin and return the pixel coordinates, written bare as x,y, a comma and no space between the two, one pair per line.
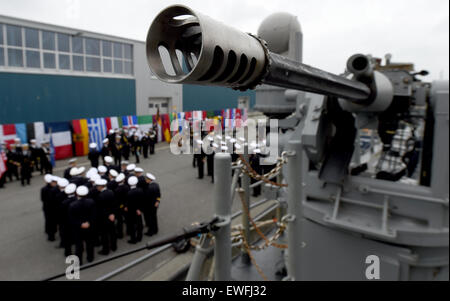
166,127
8,134
180,118
61,137
36,130
129,120
116,123
157,121
97,131
21,132
3,159
81,137
52,149
198,115
145,122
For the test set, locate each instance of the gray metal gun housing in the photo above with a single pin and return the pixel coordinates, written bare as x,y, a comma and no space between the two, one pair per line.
203,51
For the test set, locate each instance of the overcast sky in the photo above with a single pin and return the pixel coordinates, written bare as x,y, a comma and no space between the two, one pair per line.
412,30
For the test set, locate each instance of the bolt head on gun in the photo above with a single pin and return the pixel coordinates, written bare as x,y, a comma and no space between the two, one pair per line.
186,47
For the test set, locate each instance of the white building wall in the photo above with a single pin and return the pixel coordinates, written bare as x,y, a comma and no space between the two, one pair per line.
149,86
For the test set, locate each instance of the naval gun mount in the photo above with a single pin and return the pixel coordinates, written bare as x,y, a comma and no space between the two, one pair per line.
400,213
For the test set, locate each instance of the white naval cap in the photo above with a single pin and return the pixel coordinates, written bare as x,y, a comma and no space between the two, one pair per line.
81,170
132,181
73,171
113,173
150,176
124,162
55,179
94,177
91,171
62,182
70,189
101,182
82,191
131,167
48,178
102,169
120,178
138,170
109,159
73,160
93,145
106,140
111,131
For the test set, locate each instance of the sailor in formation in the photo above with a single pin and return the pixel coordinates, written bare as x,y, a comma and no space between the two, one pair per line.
92,208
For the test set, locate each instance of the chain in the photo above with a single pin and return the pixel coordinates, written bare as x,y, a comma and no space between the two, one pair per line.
247,169
249,252
268,242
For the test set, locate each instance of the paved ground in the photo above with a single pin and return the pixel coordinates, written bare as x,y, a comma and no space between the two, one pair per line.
25,254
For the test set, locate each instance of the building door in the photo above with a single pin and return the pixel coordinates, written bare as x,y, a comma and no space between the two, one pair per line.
161,103
243,102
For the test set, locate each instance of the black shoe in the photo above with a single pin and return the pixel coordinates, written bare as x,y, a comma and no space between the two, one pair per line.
103,252
51,238
133,242
114,248
148,234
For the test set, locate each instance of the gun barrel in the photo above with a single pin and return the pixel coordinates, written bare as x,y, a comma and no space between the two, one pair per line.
184,46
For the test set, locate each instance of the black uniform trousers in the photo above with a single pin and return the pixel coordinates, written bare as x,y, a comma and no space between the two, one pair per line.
81,237
135,226
151,220
108,236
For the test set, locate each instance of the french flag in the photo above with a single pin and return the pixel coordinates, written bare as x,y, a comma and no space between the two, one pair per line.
61,138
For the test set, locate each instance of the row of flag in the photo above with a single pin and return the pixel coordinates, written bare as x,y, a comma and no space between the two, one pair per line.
71,138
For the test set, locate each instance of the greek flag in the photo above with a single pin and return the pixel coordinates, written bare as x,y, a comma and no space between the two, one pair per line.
97,131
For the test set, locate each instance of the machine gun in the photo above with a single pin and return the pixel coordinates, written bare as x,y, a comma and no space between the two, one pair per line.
330,198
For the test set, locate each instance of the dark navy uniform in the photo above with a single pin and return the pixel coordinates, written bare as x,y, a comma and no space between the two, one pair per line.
93,156
106,207
152,199
135,199
65,229
121,194
50,207
80,211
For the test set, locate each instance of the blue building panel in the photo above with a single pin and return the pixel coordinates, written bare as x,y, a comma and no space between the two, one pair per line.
41,97
212,98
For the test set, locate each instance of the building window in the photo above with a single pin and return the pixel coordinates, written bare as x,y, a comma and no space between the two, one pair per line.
118,66
64,62
33,59
77,45
127,51
92,46
118,50
92,64
15,57
63,42
48,40
107,65
31,38
128,67
34,48
2,57
14,35
1,34
78,64
106,48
